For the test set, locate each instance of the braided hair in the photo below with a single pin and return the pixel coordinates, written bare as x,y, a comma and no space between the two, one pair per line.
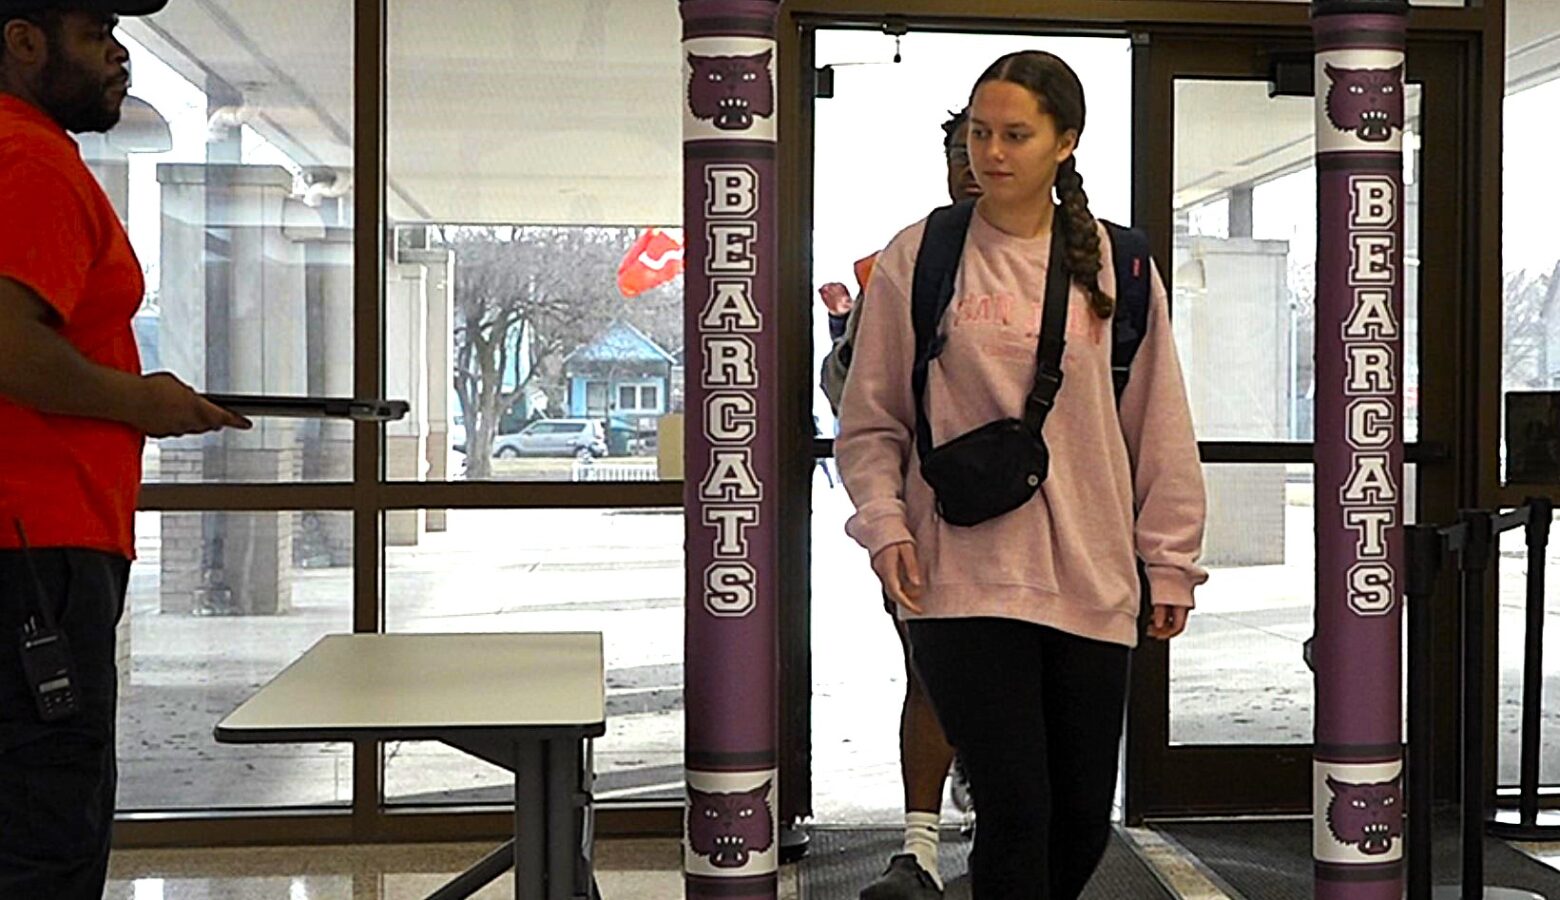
1060,94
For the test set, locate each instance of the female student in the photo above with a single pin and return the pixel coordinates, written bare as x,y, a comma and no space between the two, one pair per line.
1022,620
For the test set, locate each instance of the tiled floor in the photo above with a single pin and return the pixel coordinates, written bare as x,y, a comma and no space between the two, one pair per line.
626,870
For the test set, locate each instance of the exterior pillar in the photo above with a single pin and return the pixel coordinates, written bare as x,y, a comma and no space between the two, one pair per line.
234,320
439,360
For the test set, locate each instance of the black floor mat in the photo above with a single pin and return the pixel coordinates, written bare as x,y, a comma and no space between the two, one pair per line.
1272,860
839,863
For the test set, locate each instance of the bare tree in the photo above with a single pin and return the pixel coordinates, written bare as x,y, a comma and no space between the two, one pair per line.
1525,345
545,290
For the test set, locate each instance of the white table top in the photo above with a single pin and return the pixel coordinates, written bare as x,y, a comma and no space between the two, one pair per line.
375,683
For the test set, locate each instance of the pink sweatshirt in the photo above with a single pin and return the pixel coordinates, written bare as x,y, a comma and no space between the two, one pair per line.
1066,559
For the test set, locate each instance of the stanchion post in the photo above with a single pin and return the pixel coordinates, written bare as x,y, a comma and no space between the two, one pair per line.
1541,513
1473,561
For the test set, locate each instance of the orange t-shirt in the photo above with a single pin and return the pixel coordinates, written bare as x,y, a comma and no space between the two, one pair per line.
864,269
73,482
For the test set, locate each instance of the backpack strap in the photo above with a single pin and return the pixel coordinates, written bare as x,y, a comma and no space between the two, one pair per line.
1129,250
936,267
1053,335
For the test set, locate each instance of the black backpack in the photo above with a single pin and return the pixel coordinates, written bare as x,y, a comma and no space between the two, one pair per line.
937,264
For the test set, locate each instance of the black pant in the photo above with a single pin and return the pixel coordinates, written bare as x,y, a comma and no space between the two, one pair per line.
57,779
1036,715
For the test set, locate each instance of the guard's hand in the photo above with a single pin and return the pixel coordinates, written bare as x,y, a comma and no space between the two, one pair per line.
836,298
1169,621
899,570
167,407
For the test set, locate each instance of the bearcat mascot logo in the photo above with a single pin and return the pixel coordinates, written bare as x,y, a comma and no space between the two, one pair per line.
729,828
1366,816
731,90
1368,102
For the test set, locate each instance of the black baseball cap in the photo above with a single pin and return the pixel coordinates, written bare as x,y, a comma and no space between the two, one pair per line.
12,8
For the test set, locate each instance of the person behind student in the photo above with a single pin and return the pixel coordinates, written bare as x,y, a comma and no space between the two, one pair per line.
924,754
1021,626
74,413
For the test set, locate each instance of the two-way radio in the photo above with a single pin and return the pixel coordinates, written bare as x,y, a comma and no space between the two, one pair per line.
46,659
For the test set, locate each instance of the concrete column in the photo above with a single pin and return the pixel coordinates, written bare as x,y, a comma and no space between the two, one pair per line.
266,354
440,359
1232,326
184,338
248,294
111,166
406,378
328,455
141,129
1242,211
183,264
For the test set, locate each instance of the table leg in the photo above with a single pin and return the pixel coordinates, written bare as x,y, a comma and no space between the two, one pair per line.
564,841
530,822
585,815
478,876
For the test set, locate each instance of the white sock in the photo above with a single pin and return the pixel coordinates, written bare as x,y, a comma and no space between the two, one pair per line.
921,838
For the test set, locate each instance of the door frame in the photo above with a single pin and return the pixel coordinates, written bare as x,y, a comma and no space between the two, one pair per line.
1167,780
1163,781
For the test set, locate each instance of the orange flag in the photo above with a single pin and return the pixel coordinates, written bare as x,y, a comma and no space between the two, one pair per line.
655,259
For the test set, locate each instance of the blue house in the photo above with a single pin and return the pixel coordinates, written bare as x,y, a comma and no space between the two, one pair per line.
621,374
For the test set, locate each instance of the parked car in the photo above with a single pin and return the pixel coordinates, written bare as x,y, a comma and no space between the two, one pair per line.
554,437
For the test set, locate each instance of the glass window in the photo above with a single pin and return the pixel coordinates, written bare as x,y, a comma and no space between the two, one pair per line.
619,572
1531,258
1238,676
638,398
1531,352
232,169
219,603
538,242
1245,260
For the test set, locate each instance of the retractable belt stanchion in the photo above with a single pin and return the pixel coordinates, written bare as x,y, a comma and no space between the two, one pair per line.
1473,539
1527,822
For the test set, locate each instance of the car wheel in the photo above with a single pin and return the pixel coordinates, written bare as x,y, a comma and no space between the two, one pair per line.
583,454
507,452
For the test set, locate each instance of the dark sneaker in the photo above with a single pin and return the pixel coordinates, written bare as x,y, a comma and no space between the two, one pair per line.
904,879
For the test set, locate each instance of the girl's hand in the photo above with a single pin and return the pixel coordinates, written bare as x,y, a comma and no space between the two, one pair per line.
1169,621
899,570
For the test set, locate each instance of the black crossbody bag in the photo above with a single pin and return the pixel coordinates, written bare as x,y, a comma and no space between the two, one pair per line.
996,468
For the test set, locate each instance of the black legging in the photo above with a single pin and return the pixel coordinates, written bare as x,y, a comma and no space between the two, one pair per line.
1036,715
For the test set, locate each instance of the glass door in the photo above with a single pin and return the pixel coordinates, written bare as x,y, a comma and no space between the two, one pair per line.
1221,720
